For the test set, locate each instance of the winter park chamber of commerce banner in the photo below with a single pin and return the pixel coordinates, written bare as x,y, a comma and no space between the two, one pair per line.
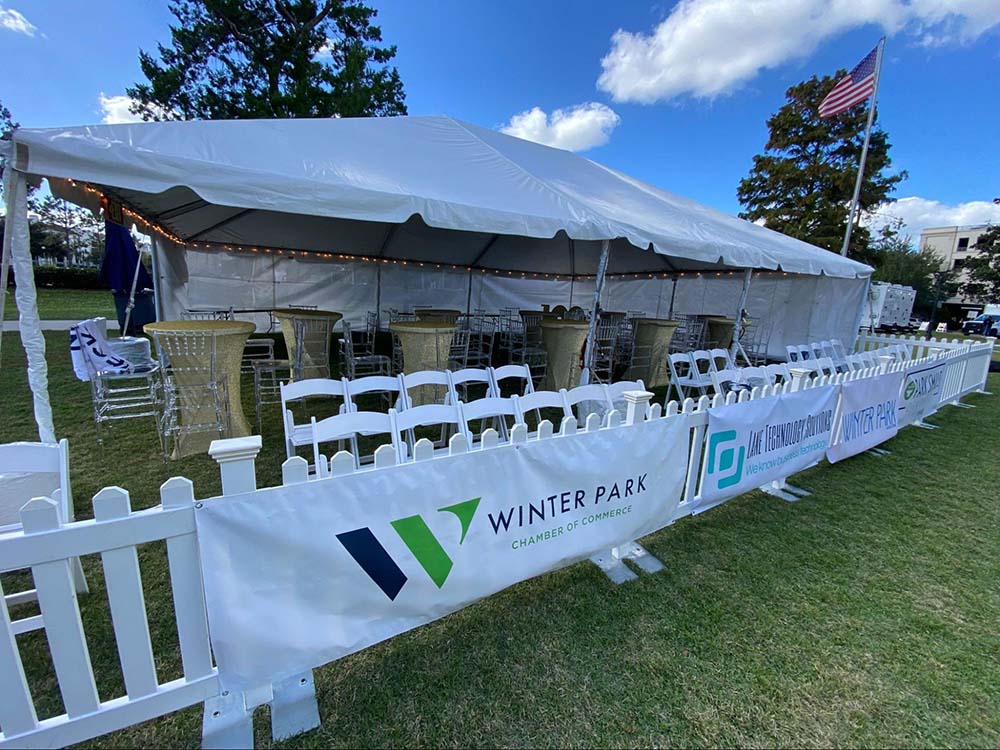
760,441
300,575
869,411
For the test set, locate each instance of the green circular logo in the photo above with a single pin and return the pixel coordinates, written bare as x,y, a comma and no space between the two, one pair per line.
911,390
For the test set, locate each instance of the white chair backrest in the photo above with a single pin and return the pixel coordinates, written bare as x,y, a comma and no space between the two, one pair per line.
486,408
540,400
512,372
300,389
756,376
702,362
595,392
346,426
681,367
370,384
426,377
615,390
779,373
820,366
722,358
40,458
721,378
425,416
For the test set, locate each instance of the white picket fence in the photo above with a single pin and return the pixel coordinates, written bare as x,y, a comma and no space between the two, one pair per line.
48,547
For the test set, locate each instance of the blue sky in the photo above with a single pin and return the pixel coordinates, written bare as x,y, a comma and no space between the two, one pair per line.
675,94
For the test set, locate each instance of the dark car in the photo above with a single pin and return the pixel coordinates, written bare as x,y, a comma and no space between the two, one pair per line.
984,325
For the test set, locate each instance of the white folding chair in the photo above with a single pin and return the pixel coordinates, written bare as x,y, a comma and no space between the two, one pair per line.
537,400
681,373
297,435
405,422
778,373
594,393
31,470
519,373
349,426
722,359
702,366
437,378
756,376
496,409
615,393
723,381
385,385
462,379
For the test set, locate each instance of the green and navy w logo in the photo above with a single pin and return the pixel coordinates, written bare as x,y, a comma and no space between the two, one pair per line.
373,558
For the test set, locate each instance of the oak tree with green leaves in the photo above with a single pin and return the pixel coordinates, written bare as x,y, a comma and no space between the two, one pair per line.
241,59
983,280
803,182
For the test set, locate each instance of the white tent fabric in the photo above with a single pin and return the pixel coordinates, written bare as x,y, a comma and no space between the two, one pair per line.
387,187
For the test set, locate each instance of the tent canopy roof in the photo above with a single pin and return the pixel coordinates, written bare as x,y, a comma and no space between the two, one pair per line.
413,188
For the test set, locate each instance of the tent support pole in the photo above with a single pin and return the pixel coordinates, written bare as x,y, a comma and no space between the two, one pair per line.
378,295
736,347
157,302
8,236
468,296
588,349
572,272
865,305
673,293
16,238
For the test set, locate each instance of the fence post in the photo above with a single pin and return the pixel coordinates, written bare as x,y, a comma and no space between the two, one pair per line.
610,561
799,375
236,458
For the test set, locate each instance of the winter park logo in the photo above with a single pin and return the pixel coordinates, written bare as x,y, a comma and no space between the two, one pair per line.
722,459
372,557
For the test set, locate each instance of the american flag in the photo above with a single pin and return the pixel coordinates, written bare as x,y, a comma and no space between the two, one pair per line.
855,87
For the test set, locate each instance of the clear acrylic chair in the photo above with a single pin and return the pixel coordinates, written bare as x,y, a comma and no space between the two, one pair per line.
355,362
458,353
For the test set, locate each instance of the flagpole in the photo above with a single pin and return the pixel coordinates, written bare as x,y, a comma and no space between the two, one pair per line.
864,149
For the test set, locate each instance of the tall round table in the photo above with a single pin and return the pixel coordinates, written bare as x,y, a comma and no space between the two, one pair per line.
426,346
655,334
425,314
230,338
720,330
312,367
563,341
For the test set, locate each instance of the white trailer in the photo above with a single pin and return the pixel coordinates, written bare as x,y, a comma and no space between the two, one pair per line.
889,306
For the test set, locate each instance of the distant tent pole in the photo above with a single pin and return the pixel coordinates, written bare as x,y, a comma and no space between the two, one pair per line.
131,295
602,267
7,238
736,347
16,238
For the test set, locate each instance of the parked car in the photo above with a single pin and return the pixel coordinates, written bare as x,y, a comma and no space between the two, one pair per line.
984,325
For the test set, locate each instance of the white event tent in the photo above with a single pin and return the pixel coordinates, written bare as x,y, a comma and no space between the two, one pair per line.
370,213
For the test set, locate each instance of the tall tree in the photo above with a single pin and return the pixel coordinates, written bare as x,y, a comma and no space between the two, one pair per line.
983,281
239,59
803,182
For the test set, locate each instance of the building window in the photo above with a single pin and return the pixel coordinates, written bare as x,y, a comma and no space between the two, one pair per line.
963,244
959,263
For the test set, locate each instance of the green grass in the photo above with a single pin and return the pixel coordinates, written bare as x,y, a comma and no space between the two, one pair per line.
67,304
865,615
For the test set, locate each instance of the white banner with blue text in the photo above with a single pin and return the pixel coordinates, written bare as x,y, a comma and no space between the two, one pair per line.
755,442
300,575
921,394
868,415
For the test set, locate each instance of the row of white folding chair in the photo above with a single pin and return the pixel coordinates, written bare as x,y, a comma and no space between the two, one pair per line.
694,369
772,374
834,349
400,424
397,388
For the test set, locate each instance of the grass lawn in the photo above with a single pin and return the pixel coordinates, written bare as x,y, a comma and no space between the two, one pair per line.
67,304
866,615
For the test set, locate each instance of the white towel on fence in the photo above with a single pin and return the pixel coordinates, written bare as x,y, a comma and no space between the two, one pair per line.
87,339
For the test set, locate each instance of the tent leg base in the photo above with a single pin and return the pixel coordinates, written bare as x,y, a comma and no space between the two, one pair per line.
925,425
639,555
960,405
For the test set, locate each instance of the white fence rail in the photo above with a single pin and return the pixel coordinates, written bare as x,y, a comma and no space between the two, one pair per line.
48,547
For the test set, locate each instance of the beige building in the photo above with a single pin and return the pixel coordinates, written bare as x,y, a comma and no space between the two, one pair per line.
955,245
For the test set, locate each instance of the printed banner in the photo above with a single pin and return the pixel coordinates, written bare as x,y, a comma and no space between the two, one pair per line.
298,576
922,389
868,415
759,441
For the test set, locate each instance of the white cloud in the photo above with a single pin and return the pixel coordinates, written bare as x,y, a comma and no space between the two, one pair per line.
574,129
13,20
919,213
327,49
711,47
115,109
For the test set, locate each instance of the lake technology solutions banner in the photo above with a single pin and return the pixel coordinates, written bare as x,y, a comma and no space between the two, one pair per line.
756,442
298,576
